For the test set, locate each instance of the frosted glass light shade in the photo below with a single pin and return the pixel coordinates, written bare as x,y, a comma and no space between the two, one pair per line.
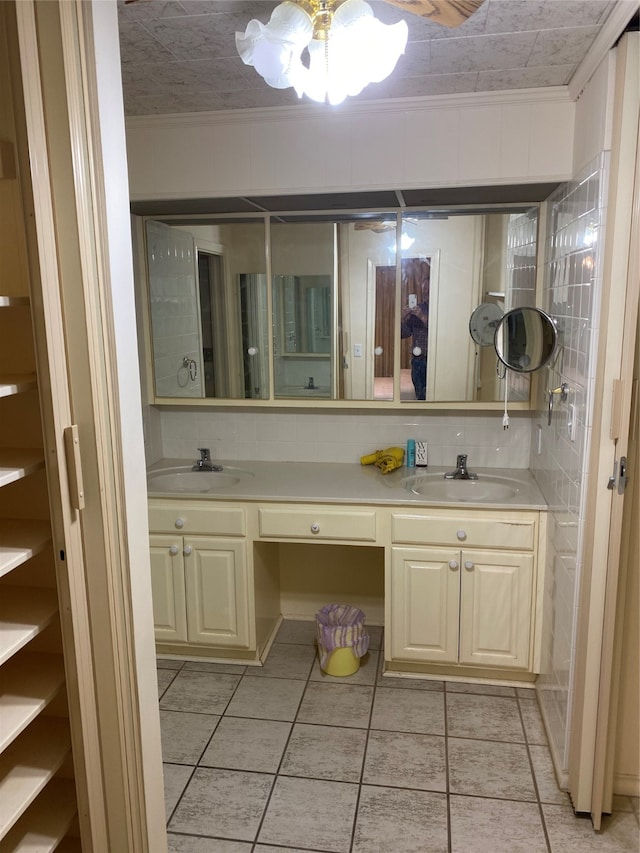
360,50
274,49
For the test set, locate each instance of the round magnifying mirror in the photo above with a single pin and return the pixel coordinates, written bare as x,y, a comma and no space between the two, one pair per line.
483,323
525,339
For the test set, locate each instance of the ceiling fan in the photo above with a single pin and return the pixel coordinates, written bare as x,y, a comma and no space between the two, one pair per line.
380,226
448,13
331,49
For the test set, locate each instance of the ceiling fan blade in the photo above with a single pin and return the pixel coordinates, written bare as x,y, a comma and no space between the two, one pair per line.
377,227
449,13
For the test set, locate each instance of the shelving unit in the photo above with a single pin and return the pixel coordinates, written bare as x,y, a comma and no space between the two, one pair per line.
20,540
38,802
16,383
45,823
28,765
16,463
24,613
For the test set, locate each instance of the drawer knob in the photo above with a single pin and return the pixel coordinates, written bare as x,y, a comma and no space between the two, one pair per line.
453,564
315,527
462,535
187,550
173,550
179,523
468,564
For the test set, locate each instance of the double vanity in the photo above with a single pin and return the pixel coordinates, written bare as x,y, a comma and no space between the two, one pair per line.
454,569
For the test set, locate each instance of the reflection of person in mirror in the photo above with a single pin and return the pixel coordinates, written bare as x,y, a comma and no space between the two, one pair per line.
415,324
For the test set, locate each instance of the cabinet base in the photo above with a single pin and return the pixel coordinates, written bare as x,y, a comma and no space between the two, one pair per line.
502,677
209,653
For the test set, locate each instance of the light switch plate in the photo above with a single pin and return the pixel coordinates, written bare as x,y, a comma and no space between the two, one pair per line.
421,454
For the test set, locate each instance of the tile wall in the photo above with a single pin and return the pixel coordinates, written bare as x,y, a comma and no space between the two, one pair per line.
314,436
522,238
572,295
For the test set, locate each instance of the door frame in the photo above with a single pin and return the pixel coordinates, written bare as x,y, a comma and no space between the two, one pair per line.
592,715
76,158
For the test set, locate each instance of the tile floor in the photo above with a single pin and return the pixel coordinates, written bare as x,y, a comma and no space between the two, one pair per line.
285,758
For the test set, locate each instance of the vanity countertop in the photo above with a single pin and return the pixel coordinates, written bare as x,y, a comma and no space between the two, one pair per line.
316,482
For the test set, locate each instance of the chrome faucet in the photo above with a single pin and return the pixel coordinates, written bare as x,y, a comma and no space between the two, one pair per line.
205,463
461,472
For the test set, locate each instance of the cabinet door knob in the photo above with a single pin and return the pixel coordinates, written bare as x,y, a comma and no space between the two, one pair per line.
187,550
315,527
173,550
462,535
453,564
468,564
179,523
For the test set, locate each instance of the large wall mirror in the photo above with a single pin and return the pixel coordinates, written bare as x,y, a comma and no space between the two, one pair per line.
366,306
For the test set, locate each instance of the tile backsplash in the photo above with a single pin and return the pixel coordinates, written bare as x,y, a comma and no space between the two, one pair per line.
314,436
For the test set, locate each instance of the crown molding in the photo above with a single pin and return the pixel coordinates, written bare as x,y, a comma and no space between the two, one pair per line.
607,37
549,94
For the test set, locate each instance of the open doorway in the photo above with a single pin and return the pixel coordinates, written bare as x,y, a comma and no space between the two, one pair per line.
415,280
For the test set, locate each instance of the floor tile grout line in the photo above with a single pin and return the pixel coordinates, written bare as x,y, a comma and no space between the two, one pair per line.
369,728
535,781
175,675
364,756
197,765
447,781
284,751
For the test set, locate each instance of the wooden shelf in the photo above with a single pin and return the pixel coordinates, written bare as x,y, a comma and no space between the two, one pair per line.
28,764
29,682
16,383
24,612
20,539
69,844
16,463
45,824
13,301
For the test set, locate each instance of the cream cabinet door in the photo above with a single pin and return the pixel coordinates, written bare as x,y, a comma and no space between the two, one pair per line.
495,608
167,588
217,591
425,594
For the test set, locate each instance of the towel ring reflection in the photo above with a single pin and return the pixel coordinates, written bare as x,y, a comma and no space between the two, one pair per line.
563,391
191,366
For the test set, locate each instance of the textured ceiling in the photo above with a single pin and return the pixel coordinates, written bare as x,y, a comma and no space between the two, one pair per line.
180,56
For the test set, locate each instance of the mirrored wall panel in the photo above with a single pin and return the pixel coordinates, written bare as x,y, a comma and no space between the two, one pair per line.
208,307
303,276
357,306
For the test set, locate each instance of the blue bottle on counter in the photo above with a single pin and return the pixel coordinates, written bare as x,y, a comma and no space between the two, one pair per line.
411,453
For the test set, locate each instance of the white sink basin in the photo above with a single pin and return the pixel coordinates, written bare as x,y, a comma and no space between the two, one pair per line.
195,482
484,489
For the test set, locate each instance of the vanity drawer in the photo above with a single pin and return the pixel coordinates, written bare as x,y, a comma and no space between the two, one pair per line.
184,518
320,524
502,530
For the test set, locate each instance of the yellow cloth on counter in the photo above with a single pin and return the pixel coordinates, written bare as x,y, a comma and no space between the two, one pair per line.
386,460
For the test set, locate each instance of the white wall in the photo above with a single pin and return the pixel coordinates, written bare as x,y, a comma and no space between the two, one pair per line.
461,140
594,116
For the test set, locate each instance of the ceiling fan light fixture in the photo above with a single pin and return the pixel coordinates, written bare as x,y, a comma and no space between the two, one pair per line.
348,48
